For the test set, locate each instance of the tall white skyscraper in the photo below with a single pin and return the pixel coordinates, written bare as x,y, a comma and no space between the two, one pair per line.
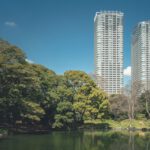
140,55
108,45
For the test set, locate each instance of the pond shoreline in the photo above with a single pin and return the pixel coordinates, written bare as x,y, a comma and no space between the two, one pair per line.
101,125
91,128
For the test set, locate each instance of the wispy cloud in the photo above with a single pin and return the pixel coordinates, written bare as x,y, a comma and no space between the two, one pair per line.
10,24
127,71
30,61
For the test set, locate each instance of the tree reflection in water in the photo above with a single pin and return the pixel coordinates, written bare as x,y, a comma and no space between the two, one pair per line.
131,140
116,140
79,140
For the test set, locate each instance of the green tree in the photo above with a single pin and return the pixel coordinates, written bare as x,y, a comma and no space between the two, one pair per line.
18,82
31,112
10,54
64,116
89,101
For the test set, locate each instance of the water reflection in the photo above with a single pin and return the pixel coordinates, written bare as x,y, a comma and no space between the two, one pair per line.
83,140
139,141
117,140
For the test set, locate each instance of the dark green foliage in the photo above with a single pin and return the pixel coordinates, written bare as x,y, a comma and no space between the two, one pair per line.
10,54
118,106
64,116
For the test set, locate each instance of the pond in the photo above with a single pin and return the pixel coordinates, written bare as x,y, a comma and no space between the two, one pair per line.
79,140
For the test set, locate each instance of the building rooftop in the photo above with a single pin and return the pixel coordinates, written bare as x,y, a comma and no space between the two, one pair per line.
108,12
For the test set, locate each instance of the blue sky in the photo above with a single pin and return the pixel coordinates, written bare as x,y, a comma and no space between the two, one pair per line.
59,33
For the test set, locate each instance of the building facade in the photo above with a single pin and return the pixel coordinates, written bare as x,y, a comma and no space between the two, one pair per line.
108,47
140,55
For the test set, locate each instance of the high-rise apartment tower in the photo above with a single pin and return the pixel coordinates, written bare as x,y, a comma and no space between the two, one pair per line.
108,45
140,55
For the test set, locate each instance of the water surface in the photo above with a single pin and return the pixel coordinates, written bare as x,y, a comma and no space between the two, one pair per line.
79,140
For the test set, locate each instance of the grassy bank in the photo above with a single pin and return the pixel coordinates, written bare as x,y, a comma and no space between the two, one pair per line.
124,124
90,124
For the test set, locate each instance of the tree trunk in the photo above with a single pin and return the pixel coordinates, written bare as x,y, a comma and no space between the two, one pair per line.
147,110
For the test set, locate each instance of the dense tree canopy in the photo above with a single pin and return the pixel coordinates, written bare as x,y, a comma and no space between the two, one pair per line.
34,95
